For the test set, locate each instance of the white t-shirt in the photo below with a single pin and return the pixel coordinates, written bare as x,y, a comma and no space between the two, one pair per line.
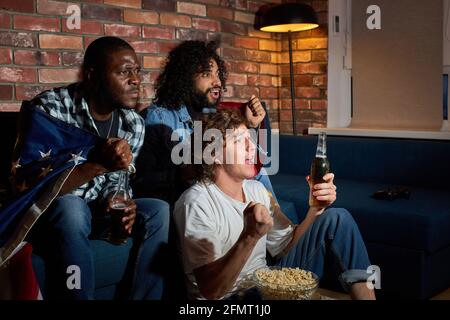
209,223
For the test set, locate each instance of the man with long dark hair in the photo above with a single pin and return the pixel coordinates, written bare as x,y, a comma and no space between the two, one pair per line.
101,104
191,84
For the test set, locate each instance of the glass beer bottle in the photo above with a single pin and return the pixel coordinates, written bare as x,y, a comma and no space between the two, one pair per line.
319,168
119,202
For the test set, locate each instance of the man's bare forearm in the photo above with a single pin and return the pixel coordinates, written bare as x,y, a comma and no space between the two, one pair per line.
80,175
217,278
301,228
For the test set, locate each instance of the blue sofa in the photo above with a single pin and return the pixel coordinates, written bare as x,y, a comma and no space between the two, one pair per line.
408,239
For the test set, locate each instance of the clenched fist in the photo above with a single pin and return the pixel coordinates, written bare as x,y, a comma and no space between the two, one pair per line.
257,220
115,154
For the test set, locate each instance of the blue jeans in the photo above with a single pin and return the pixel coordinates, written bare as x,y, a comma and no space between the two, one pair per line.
332,244
62,238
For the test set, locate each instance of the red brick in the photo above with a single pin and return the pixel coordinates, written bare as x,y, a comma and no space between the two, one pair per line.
320,81
72,59
235,28
269,69
219,13
9,107
159,33
205,24
260,56
268,93
216,2
101,13
297,56
159,5
36,58
321,31
320,6
310,68
244,17
151,62
17,5
307,92
313,43
319,104
259,34
234,54
312,116
28,92
270,45
87,40
125,3
194,9
5,20
145,46
254,6
245,92
6,92
244,67
166,47
299,81
53,41
5,56
172,19
141,17
122,30
54,7
248,43
319,55
299,103
18,39
86,27
241,4
58,75
239,79
36,23
13,74
191,34
254,80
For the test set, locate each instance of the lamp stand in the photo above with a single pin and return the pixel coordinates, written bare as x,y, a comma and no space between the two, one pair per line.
291,72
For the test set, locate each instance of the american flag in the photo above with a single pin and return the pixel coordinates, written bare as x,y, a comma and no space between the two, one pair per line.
46,152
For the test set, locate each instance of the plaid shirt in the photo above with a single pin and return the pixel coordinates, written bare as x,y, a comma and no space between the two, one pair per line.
68,105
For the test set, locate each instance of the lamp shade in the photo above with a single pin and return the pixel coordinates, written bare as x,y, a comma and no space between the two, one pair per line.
287,17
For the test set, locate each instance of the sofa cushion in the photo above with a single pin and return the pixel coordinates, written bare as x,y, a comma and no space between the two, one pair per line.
420,223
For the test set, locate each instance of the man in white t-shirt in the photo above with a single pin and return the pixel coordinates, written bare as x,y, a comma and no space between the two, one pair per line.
226,223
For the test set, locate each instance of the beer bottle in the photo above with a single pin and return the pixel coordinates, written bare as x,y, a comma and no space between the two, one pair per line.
119,202
319,168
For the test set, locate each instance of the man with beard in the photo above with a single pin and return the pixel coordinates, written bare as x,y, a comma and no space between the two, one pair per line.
102,103
190,85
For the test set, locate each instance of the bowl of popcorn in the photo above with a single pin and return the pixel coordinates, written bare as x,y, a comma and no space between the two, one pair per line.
286,283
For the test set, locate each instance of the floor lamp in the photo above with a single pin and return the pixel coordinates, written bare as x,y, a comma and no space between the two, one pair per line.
289,17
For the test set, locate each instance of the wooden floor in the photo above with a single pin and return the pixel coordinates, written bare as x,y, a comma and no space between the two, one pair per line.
323,294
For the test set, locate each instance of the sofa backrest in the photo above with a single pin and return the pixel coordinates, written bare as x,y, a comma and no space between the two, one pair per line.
390,161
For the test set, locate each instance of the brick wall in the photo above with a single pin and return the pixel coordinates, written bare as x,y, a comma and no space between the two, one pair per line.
39,51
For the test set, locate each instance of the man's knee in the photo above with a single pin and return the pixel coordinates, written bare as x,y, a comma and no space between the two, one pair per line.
155,213
70,213
337,217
